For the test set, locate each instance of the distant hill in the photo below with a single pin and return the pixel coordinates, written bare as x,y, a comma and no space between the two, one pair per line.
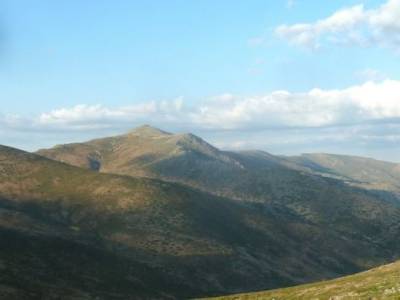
175,217
361,172
379,283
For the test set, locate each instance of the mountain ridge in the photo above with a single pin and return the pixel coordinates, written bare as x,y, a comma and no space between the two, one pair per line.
189,159
179,234
202,221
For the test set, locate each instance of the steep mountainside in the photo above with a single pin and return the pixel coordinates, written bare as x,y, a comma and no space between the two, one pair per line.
378,283
80,233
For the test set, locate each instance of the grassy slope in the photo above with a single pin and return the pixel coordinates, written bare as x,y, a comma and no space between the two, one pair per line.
171,240
313,227
57,218
378,283
129,221
250,176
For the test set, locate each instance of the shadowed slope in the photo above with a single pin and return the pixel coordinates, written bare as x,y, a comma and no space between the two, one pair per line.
157,230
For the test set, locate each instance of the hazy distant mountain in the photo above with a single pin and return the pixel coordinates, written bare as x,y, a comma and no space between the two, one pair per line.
358,171
378,283
207,222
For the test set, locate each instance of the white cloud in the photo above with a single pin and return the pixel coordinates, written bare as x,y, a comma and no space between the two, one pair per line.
372,101
351,26
98,116
281,121
380,141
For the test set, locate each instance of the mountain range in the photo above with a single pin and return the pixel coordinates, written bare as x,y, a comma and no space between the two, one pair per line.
154,215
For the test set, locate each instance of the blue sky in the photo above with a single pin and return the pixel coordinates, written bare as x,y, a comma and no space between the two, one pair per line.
71,70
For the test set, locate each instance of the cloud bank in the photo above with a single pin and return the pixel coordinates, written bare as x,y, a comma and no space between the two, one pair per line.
369,102
366,114
349,26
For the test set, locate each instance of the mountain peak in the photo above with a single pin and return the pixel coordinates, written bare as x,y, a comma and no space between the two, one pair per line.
189,137
147,130
191,142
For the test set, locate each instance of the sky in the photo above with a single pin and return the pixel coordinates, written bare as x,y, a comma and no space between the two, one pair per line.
287,77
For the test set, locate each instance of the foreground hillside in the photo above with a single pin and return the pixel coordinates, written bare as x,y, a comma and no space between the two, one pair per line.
378,283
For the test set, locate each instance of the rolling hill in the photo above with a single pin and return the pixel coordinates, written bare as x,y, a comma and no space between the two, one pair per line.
367,173
174,217
379,283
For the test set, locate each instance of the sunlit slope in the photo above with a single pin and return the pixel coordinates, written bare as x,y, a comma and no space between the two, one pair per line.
249,176
378,283
184,158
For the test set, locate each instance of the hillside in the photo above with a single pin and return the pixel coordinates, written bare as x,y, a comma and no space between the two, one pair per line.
146,151
174,217
379,283
254,177
304,226
165,240
75,233
361,172
248,175
79,233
